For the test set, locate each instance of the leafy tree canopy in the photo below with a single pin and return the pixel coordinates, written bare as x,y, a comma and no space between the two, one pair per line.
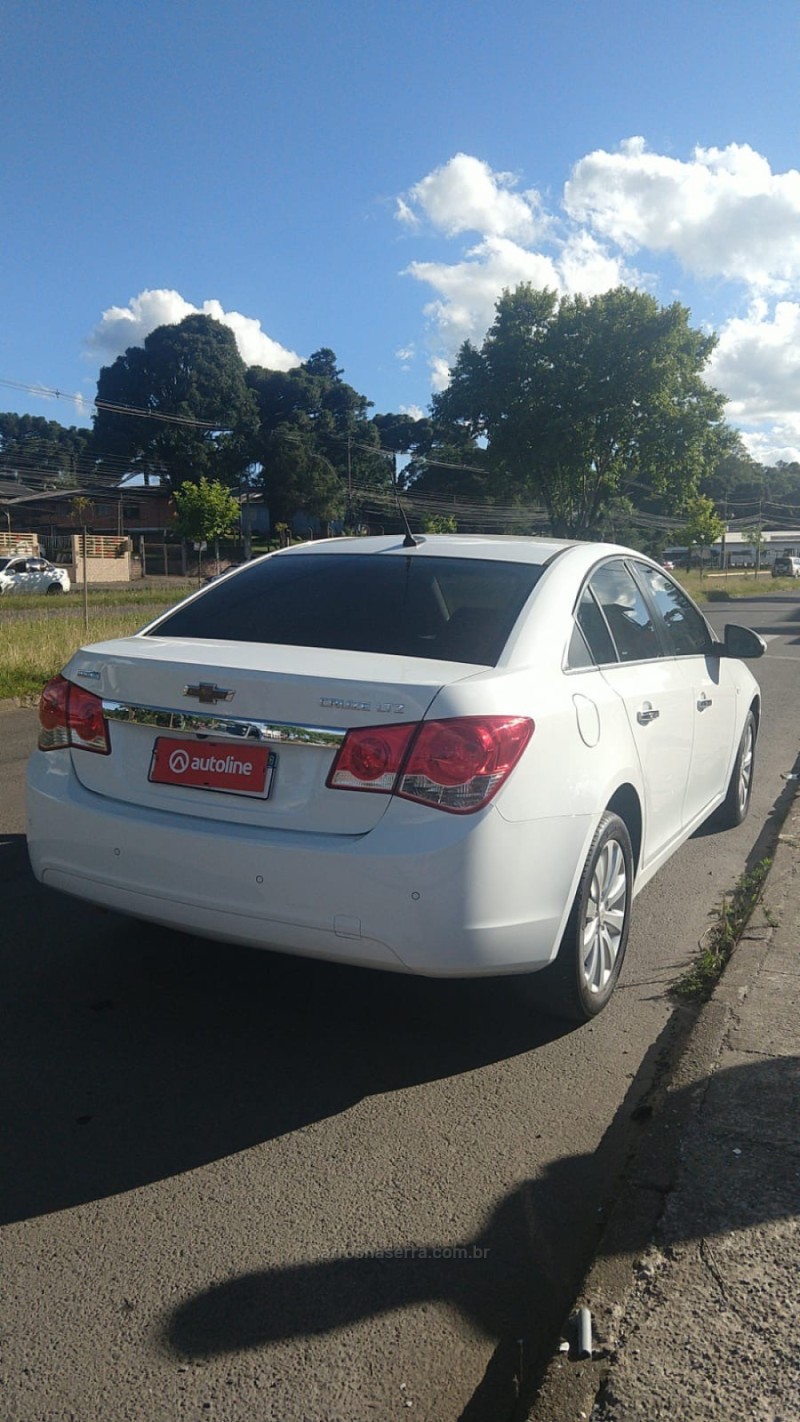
583,401
41,452
703,524
205,509
745,489
189,372
315,445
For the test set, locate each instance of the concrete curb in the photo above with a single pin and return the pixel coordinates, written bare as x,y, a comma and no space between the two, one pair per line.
19,703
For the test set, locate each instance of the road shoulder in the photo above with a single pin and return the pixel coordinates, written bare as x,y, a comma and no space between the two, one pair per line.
693,1293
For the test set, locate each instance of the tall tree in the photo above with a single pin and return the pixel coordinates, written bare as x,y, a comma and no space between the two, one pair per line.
444,469
42,453
317,449
200,416
584,401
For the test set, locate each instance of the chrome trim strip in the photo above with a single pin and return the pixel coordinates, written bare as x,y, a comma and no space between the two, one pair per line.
224,727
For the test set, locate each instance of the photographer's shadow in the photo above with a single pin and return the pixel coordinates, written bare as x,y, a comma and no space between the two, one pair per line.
509,1281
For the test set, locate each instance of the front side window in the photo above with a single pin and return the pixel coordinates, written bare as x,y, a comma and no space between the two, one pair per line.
626,613
684,627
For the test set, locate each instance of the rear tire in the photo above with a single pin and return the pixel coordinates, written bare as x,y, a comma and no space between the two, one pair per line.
54,588
581,980
734,807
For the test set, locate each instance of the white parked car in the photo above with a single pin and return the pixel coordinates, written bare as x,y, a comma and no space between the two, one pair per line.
28,574
459,756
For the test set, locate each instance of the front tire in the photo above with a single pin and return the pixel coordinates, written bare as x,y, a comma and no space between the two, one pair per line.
734,807
581,980
54,589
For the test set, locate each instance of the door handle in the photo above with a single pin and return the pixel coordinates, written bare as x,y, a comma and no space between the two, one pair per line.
646,715
703,702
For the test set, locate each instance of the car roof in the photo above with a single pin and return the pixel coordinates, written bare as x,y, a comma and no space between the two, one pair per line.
506,547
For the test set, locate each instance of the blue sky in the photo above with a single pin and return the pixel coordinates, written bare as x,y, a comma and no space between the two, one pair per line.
368,176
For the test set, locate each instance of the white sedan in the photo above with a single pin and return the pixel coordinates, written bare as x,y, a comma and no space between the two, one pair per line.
35,575
452,756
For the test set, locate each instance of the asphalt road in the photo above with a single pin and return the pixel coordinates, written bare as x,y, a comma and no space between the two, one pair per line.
265,1190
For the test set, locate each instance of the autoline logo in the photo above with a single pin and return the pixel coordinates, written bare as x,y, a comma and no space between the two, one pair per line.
180,761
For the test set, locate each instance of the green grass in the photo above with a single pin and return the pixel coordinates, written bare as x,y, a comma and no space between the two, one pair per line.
719,942
32,650
719,587
124,596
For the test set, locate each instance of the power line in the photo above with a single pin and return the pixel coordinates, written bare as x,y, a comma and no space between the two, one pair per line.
107,473
113,409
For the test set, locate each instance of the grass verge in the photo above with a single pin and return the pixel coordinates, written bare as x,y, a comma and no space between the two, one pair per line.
108,597
722,587
723,935
32,650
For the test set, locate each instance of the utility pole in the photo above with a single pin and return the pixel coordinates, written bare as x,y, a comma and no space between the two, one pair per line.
85,584
349,485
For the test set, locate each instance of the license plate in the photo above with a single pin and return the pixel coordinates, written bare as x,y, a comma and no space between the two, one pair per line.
210,765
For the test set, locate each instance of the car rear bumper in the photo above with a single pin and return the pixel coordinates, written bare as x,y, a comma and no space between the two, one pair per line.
423,892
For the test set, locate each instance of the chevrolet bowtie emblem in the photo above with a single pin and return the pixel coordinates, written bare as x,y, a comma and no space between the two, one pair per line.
208,692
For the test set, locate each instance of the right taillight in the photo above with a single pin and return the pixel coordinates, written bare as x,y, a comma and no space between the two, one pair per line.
456,764
72,717
459,764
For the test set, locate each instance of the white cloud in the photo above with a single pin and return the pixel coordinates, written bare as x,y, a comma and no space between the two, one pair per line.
587,268
723,213
123,326
440,374
779,444
757,362
467,291
757,365
415,411
405,214
465,195
519,242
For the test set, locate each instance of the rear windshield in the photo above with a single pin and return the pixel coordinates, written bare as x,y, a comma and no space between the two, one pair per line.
456,609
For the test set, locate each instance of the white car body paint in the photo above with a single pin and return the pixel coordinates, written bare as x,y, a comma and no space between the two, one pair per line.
371,878
24,573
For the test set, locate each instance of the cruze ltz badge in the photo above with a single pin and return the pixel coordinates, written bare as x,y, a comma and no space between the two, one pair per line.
394,707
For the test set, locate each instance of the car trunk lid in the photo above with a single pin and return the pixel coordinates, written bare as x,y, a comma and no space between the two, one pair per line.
186,719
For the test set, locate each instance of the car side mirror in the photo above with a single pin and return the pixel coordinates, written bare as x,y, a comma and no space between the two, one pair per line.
742,642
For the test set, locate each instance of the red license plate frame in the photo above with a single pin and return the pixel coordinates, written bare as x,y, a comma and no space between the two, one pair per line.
221,766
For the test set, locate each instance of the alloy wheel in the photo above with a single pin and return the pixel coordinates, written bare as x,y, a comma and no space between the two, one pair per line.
604,920
746,768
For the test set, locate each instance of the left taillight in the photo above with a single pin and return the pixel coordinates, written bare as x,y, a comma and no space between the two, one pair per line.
70,716
456,764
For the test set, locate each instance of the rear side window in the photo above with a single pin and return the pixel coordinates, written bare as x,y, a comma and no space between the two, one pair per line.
455,609
595,634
